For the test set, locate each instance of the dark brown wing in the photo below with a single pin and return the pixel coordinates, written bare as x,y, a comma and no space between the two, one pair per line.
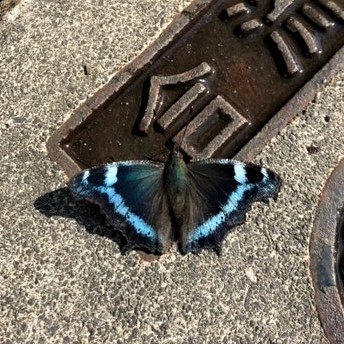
220,192
133,191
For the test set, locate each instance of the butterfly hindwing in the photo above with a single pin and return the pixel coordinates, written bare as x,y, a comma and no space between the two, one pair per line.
220,192
133,191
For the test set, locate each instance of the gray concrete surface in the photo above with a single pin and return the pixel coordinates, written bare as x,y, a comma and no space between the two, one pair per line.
60,284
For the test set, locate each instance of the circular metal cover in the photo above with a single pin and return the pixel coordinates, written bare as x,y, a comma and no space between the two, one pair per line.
326,256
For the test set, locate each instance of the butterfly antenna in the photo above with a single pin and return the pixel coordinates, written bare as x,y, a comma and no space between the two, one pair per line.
152,157
86,166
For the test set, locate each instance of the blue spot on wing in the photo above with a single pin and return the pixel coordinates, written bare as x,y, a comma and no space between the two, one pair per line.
223,191
111,175
119,206
128,189
212,224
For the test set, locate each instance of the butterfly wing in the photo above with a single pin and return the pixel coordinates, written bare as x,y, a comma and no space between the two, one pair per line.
220,192
133,191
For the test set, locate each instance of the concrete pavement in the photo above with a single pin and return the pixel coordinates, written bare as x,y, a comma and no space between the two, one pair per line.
61,284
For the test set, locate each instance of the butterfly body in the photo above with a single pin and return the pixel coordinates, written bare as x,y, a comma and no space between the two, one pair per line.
175,177
192,203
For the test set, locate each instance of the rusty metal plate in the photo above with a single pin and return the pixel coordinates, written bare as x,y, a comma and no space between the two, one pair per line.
327,254
223,79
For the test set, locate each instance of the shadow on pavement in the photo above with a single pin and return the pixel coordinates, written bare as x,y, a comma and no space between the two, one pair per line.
62,203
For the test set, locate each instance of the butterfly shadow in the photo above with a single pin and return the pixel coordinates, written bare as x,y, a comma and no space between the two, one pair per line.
61,202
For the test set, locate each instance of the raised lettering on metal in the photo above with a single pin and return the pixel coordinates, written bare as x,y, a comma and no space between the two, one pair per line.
289,57
307,21
318,17
297,25
210,129
180,106
158,81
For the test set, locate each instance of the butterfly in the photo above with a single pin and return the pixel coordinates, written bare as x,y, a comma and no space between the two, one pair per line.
194,203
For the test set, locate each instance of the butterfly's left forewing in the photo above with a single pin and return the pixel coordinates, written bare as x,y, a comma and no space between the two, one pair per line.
133,191
220,192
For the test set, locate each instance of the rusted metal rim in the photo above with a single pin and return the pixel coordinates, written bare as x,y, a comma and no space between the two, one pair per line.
326,256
